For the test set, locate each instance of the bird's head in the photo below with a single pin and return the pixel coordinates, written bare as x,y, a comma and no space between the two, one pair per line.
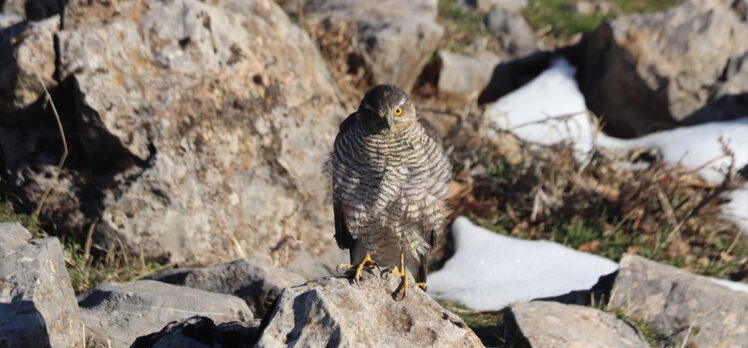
386,107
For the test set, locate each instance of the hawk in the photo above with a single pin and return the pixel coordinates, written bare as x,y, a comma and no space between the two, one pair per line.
389,179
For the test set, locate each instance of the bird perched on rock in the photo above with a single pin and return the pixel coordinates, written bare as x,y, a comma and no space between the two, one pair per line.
389,179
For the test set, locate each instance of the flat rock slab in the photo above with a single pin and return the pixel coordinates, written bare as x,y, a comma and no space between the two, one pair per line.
37,302
489,271
333,312
201,332
255,281
682,306
552,324
120,313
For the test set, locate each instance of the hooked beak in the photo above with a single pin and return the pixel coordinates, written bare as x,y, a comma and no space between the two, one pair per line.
389,119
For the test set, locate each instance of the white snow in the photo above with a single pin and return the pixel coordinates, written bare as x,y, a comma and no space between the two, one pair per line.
695,147
550,109
547,110
489,271
742,287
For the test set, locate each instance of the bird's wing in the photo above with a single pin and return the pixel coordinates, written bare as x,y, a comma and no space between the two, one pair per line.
429,235
342,234
430,129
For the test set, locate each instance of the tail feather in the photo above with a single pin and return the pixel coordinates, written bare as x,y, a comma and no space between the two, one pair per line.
423,266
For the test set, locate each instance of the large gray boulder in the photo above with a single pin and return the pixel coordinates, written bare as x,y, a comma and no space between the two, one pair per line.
198,131
255,281
333,312
392,39
552,324
682,66
682,306
121,312
37,302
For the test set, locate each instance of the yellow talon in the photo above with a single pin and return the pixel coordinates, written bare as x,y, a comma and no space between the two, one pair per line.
403,274
422,285
366,262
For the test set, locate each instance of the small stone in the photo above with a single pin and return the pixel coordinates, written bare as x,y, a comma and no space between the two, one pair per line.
516,37
462,78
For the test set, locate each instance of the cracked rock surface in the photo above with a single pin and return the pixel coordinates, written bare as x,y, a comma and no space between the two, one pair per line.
208,121
37,302
256,282
682,306
118,313
551,324
333,312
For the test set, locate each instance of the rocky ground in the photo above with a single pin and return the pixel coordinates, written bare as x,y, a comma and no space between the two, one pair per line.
170,134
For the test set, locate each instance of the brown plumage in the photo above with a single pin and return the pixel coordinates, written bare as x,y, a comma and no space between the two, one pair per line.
389,177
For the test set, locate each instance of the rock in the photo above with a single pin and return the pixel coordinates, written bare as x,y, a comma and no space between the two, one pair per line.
486,5
682,306
200,332
585,8
6,20
588,8
124,311
37,301
393,40
332,311
551,324
462,78
516,37
682,66
197,132
257,282
27,56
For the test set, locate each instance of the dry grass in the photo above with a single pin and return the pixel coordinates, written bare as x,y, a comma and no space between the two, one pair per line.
338,44
599,206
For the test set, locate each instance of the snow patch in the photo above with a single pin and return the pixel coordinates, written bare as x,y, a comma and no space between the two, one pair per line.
547,110
490,271
742,287
550,109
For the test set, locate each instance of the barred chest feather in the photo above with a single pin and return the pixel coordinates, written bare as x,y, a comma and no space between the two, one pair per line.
392,187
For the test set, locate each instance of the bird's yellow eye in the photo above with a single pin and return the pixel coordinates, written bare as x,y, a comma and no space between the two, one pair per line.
398,111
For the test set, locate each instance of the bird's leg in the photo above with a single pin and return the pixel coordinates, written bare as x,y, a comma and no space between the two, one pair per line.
359,267
401,272
422,285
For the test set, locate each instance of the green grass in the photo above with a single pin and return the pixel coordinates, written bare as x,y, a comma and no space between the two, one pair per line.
27,221
560,19
85,271
461,26
488,326
645,328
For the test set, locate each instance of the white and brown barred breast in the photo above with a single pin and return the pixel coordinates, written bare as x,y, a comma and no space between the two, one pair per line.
392,189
